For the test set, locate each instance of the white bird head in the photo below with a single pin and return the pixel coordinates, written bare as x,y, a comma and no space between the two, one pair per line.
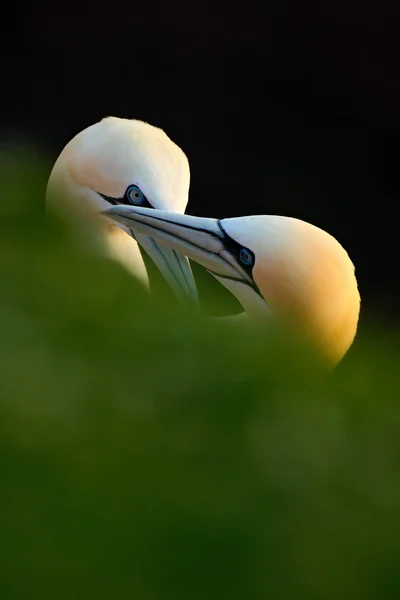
124,161
273,265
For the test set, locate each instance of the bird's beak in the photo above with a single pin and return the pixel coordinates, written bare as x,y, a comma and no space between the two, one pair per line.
173,266
201,239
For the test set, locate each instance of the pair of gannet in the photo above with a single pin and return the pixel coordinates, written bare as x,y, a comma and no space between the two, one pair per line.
134,181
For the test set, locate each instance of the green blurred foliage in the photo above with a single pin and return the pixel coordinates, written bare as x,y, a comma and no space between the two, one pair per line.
146,453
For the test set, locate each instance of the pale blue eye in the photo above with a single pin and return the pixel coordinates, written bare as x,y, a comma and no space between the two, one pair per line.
246,257
134,195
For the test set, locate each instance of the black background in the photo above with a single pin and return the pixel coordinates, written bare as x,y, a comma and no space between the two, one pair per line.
288,108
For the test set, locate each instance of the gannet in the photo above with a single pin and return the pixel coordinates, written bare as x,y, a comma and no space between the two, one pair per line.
123,161
275,266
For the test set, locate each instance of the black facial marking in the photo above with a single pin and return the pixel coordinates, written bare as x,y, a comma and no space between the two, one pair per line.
124,200
234,248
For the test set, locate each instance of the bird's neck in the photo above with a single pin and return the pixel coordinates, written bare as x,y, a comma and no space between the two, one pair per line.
254,305
123,248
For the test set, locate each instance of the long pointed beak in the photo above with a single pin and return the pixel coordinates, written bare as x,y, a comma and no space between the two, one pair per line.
173,266
200,239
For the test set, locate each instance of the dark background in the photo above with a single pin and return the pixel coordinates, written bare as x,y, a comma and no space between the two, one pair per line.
283,107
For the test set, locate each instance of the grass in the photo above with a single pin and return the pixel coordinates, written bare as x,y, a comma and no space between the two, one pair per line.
148,454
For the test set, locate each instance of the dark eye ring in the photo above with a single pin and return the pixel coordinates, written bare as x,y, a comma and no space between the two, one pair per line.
246,257
134,195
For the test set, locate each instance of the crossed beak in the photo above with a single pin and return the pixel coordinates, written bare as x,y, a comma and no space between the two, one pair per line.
200,239
174,267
